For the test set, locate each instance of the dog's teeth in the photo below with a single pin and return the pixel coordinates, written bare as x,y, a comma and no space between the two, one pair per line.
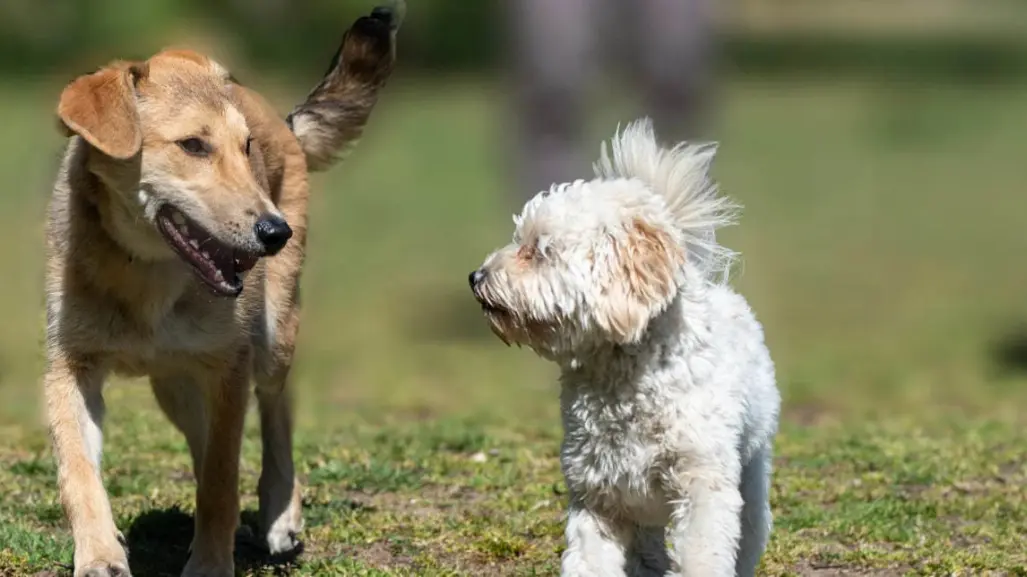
218,276
183,229
195,243
178,218
206,255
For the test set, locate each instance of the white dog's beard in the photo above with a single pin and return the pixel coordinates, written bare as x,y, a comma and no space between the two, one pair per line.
497,328
542,337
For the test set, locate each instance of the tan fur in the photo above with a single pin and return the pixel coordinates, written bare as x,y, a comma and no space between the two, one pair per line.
334,114
100,108
649,259
119,300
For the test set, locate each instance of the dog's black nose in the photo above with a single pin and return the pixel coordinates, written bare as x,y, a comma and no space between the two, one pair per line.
272,232
476,277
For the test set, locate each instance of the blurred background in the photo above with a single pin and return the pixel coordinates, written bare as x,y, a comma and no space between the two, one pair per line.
877,145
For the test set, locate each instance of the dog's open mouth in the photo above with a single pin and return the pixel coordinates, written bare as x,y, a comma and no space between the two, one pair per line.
218,265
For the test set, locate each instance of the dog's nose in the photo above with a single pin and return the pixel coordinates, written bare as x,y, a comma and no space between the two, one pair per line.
476,277
272,232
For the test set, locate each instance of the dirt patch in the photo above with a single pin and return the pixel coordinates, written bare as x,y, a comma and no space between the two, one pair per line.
430,505
430,500
815,570
379,555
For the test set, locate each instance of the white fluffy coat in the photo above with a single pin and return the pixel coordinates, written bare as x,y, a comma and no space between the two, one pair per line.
668,399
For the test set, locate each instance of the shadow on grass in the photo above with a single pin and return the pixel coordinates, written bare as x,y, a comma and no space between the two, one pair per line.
158,544
1009,350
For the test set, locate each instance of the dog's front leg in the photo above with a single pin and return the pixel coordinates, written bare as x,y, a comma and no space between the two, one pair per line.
281,514
705,526
74,399
217,491
596,547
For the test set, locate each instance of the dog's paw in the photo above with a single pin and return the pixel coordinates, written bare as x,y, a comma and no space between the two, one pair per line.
282,541
104,569
282,536
281,512
111,560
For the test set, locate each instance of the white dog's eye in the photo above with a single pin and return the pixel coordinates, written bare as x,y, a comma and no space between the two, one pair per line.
542,247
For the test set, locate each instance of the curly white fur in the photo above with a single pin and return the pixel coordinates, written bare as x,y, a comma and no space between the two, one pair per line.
682,176
668,398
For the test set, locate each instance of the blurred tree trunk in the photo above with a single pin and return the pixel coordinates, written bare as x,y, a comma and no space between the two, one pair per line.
674,65
557,46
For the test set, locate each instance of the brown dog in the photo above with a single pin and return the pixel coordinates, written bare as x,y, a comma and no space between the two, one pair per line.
176,236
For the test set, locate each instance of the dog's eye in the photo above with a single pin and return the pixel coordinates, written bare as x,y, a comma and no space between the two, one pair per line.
249,140
194,146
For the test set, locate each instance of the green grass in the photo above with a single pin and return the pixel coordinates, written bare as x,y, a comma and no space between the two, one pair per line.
882,243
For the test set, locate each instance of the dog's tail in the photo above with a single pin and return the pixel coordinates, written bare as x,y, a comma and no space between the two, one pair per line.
682,176
332,118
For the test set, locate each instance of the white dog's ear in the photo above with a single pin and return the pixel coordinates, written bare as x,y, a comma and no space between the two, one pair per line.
646,267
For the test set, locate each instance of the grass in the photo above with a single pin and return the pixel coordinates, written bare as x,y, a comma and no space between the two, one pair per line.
883,244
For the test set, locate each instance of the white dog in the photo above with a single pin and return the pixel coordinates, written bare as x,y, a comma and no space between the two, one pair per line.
668,396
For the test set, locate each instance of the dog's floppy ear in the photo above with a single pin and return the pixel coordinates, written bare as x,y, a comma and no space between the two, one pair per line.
646,269
101,108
